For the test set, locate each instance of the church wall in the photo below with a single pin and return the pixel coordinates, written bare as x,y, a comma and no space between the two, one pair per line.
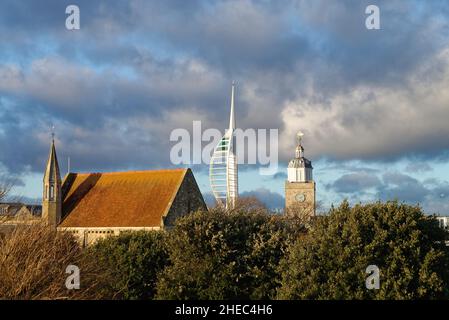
88,236
188,199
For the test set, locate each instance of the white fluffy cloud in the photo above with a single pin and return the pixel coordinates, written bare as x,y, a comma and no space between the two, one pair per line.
376,122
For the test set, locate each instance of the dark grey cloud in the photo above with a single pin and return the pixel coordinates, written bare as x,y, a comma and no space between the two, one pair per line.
272,200
138,69
9,181
418,166
431,194
347,167
403,187
355,182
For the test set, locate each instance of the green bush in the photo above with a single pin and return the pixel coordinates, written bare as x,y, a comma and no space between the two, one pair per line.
330,262
133,261
226,255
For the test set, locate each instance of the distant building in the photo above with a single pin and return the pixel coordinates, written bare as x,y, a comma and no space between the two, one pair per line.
95,205
13,214
443,222
300,188
19,212
16,210
223,170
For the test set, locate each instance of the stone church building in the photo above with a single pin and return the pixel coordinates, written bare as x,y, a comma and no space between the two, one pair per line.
95,205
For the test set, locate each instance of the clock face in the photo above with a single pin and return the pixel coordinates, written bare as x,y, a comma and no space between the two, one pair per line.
300,197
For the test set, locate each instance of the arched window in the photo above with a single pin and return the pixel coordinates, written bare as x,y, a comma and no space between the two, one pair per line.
52,192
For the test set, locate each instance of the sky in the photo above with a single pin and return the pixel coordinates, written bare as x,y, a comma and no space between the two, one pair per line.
373,104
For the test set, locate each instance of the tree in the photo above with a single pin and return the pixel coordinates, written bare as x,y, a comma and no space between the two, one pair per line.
5,187
226,254
305,214
250,203
33,264
133,259
330,262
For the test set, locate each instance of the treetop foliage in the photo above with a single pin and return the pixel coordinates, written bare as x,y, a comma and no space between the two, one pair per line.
406,245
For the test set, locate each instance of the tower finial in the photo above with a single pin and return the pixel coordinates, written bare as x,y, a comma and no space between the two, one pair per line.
299,136
299,152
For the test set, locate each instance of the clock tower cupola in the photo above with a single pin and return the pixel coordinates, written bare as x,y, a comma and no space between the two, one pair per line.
300,187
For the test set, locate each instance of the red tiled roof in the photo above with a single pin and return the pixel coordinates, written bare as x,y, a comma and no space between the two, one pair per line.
119,199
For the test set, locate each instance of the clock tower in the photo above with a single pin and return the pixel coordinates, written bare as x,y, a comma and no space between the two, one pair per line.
300,187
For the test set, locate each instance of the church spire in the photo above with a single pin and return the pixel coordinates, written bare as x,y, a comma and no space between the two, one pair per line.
52,172
51,200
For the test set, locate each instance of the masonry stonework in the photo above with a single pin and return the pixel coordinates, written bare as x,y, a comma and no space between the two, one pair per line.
187,200
300,195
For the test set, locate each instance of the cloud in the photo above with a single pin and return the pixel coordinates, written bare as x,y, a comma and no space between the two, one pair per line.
403,187
102,121
136,70
355,182
279,175
418,166
348,167
272,200
431,194
299,65
379,123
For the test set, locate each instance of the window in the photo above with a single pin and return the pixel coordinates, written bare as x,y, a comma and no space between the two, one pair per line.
52,192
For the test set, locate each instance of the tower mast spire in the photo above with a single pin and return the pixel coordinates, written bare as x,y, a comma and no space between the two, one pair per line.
223,170
232,117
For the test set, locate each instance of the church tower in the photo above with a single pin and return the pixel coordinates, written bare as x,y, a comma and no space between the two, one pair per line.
300,187
51,200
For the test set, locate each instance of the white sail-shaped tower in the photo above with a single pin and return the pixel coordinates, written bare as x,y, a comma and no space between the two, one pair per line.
223,171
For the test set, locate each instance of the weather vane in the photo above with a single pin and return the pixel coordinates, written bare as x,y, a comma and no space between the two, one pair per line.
299,136
53,132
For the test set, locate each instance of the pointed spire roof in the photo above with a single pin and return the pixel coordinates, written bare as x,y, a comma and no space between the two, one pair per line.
52,172
232,117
